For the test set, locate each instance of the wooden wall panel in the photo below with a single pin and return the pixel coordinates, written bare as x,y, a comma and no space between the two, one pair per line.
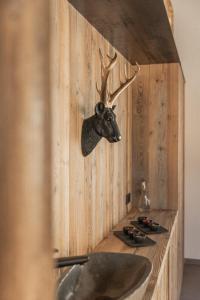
157,148
88,193
170,12
169,281
25,163
140,125
162,287
60,91
158,134
181,132
174,262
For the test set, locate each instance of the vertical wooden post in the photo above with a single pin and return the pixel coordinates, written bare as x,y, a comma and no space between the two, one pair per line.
25,229
170,12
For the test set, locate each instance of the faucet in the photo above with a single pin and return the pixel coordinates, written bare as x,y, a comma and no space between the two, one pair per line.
70,261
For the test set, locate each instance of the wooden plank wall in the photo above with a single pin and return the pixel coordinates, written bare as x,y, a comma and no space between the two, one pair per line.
158,102
89,193
181,171
158,151
25,164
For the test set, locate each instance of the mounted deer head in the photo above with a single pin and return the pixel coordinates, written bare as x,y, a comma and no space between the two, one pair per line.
103,122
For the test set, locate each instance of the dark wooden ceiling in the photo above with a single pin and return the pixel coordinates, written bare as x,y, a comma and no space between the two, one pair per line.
138,29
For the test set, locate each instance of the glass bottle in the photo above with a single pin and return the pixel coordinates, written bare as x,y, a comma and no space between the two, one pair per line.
144,201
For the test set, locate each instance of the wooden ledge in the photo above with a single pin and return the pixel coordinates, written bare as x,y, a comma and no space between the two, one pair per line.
138,29
156,254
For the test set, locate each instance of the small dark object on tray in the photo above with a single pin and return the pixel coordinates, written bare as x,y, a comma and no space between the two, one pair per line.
149,223
140,237
133,233
140,240
141,219
148,226
146,222
126,229
154,226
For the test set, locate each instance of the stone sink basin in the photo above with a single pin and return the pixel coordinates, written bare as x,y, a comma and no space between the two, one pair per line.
106,276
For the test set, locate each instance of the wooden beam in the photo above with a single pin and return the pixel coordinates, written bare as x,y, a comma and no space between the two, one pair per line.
139,29
170,12
25,237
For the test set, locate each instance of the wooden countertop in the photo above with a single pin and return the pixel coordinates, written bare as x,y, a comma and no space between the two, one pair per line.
156,253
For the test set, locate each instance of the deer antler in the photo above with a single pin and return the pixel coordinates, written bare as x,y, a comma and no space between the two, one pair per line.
109,98
123,86
105,71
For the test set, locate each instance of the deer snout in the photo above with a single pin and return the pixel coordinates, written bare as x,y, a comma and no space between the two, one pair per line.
117,138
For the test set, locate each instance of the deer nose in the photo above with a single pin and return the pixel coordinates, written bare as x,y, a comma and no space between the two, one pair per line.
117,138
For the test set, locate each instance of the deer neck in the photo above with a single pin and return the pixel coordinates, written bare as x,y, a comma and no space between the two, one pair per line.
90,137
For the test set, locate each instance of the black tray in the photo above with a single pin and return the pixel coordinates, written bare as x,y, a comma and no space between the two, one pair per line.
125,238
148,230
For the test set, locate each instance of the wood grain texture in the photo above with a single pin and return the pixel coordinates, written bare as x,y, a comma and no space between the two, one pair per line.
158,287
60,89
170,12
25,168
165,256
158,100
162,286
170,280
181,177
174,261
138,29
89,193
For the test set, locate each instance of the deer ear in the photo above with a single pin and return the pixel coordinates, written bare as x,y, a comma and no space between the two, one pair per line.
113,107
99,108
